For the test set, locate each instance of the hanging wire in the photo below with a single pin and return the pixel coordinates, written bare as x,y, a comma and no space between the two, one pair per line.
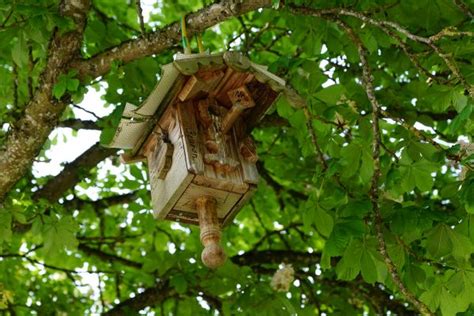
184,36
199,42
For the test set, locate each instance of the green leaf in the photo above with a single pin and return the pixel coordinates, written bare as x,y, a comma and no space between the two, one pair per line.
460,119
350,158
58,234
432,297
72,85
448,303
349,266
18,214
368,267
366,167
467,195
408,179
396,251
423,179
462,246
331,94
438,242
60,88
20,51
5,226
179,283
323,221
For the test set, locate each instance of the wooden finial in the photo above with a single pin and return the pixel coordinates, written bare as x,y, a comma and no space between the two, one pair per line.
213,255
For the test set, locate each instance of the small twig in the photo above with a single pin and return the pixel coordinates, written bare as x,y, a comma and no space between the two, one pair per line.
419,134
464,8
389,151
170,236
87,111
6,19
79,124
140,16
37,262
105,17
314,139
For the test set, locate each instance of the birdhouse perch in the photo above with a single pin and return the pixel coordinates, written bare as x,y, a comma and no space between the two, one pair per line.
194,132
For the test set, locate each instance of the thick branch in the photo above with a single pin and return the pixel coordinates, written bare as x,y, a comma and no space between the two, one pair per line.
276,257
169,36
71,174
257,260
149,297
102,203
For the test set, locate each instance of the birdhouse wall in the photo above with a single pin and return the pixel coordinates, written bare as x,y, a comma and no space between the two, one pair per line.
197,169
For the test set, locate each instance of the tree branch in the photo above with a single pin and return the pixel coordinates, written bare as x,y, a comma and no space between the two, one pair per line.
102,203
464,8
314,139
367,79
71,173
169,36
258,261
149,297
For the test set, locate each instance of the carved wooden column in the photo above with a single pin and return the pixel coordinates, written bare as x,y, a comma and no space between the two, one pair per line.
213,255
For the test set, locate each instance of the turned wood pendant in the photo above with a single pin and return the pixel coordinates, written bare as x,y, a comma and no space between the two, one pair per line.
194,132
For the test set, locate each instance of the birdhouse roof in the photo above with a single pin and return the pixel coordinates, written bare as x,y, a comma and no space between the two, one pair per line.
138,122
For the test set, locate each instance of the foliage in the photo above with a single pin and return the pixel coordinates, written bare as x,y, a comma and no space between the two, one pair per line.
314,208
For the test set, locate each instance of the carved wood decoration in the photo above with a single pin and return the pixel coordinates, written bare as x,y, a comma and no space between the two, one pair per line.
201,158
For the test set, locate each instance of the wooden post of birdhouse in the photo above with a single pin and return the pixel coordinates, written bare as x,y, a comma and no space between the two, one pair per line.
194,132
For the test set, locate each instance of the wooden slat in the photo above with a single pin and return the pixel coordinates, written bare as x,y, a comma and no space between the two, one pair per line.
191,139
225,200
183,217
165,193
226,185
211,171
238,206
200,84
249,168
264,96
126,158
166,104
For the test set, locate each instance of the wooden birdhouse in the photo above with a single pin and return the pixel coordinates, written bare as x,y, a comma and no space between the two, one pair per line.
194,132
